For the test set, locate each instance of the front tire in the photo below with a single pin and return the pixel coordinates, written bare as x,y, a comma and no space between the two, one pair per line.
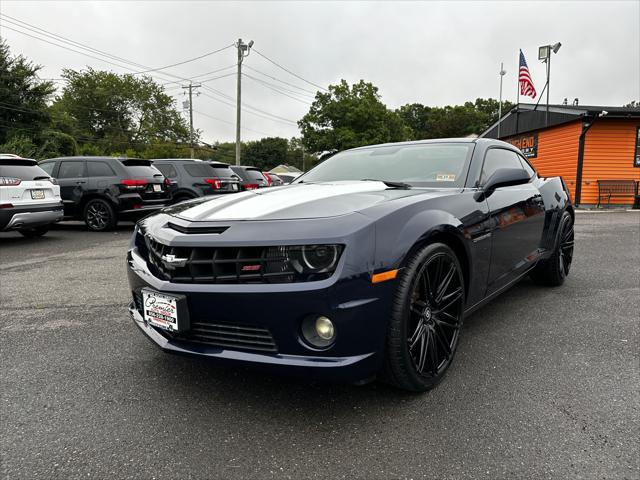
426,319
34,232
553,271
99,215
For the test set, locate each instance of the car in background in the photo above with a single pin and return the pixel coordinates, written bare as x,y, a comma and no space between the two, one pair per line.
192,178
102,190
287,178
272,179
250,177
29,198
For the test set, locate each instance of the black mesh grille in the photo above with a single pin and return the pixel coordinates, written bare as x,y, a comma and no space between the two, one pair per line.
225,265
220,334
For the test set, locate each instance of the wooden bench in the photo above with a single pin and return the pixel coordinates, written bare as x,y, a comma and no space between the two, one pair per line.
616,188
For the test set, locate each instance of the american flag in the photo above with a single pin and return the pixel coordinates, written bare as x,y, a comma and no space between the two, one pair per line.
524,79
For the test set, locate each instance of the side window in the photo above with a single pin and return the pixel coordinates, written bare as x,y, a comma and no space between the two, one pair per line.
167,170
71,170
99,169
528,168
496,158
48,167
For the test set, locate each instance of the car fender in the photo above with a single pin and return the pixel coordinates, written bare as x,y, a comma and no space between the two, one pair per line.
396,237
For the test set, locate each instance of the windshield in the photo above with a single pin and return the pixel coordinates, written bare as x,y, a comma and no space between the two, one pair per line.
421,165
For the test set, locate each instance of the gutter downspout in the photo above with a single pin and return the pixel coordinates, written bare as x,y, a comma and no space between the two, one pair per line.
587,123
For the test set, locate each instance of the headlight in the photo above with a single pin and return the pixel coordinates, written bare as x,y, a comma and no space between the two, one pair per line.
319,257
305,262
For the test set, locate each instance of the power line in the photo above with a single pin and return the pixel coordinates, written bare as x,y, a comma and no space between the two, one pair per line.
289,71
229,123
279,80
277,119
276,89
22,24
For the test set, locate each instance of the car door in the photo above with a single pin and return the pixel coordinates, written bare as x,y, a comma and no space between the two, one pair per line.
72,178
517,220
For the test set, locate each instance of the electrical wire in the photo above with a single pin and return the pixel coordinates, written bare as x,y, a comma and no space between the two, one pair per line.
275,89
288,71
279,80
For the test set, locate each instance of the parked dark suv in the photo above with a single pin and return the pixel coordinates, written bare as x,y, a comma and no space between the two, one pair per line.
191,178
103,190
251,177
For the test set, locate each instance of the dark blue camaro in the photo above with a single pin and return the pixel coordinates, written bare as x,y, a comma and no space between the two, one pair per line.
363,268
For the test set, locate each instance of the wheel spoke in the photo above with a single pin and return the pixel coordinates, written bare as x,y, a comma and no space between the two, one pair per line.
451,299
423,351
416,335
444,285
443,342
433,354
439,321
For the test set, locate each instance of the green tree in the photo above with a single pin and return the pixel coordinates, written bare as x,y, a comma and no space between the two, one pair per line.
265,153
23,98
346,117
117,112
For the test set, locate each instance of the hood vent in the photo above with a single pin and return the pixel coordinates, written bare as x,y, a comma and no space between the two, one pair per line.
196,229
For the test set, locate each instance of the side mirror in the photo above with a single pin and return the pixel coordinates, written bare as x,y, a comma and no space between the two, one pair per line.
505,177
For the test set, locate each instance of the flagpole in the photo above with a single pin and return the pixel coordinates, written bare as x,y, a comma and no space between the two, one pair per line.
518,93
502,72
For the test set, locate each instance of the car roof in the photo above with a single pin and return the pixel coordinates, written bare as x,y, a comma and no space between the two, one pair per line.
172,160
104,158
466,140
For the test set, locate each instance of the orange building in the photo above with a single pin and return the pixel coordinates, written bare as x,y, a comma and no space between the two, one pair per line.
595,149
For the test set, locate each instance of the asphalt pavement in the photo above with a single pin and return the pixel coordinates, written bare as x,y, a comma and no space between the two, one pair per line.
546,382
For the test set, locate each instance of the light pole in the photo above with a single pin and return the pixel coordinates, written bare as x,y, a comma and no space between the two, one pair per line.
243,51
544,54
502,73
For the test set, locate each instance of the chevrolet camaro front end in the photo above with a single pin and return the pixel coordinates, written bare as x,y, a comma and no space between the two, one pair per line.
343,276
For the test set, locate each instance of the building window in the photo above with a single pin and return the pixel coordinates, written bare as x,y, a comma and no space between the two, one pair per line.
636,160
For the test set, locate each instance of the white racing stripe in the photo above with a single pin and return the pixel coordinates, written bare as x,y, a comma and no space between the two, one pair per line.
253,205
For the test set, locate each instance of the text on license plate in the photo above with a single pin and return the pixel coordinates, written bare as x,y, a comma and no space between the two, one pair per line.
37,194
160,310
157,188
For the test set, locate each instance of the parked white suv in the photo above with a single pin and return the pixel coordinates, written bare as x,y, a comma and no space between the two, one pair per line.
29,198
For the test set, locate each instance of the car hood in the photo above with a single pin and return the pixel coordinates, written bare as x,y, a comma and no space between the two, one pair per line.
298,201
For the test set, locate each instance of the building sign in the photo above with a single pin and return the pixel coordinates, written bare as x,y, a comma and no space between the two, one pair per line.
528,144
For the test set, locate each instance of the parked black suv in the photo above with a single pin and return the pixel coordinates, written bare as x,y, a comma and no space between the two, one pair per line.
191,178
103,190
252,177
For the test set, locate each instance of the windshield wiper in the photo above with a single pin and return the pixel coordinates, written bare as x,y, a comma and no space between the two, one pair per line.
388,183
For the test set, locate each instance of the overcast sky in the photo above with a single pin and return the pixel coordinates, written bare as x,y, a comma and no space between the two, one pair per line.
432,53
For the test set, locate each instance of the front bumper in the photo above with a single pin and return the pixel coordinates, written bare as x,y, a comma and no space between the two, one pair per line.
16,218
358,309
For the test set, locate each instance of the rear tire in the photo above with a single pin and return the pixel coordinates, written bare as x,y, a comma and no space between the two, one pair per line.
426,319
34,232
553,271
99,215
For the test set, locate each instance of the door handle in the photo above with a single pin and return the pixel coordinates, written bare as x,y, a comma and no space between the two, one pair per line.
79,182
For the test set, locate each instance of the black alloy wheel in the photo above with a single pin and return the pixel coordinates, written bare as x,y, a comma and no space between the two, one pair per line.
554,270
426,320
99,215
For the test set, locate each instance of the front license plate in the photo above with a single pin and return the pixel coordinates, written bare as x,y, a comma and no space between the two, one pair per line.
160,310
37,194
157,188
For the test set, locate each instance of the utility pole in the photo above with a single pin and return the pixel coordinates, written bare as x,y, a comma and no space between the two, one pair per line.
243,51
191,86
303,159
502,73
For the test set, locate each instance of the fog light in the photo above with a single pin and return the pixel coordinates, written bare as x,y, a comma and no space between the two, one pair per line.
324,328
318,331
